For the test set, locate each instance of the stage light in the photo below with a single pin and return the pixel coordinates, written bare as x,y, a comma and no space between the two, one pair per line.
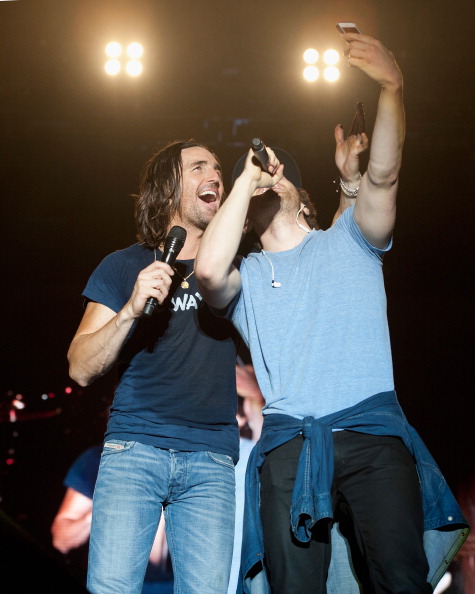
331,57
113,49
116,64
331,74
311,73
134,51
310,56
134,67
112,67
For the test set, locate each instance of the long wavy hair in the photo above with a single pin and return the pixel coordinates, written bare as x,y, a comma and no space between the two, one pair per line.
159,195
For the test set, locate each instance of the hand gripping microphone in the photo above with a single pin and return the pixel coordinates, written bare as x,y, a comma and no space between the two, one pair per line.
173,244
259,150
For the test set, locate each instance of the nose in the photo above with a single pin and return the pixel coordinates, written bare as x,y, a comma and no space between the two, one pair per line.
214,176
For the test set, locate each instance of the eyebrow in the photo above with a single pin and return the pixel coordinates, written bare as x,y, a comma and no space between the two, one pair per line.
194,163
217,167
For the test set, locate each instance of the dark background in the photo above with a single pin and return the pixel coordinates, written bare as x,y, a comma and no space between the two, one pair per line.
73,142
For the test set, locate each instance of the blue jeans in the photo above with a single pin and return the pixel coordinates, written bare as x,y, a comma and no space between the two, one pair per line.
197,492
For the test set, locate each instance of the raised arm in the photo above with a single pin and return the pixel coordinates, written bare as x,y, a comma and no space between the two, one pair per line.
218,279
375,209
102,332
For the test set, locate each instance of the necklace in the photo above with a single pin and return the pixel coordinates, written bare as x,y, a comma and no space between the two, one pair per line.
184,283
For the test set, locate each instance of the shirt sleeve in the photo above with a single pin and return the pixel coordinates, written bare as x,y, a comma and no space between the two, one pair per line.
82,474
347,223
106,284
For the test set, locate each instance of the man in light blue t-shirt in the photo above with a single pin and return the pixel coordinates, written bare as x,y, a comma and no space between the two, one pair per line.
311,306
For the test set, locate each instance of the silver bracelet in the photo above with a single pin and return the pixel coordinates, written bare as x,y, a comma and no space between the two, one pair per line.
348,191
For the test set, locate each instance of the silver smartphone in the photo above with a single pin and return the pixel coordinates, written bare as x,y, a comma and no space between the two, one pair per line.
347,28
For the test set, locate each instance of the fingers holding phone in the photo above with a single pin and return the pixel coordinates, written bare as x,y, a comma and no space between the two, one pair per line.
370,56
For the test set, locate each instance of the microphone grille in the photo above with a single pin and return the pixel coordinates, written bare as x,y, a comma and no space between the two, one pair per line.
175,239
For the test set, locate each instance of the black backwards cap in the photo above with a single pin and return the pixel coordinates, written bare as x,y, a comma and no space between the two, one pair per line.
291,170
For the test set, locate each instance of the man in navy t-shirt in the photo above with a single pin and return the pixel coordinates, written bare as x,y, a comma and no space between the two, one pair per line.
172,439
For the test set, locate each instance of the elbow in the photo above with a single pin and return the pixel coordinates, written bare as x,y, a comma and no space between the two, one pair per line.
59,543
204,272
60,546
381,179
84,383
76,370
79,376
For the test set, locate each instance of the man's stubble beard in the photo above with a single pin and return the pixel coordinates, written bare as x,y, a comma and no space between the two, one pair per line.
263,208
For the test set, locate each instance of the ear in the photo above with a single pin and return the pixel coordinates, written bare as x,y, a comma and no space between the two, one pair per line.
247,226
306,210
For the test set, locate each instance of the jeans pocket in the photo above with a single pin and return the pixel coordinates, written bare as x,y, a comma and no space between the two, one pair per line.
115,446
222,459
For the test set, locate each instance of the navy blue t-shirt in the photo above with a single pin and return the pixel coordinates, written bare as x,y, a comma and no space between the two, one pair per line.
177,379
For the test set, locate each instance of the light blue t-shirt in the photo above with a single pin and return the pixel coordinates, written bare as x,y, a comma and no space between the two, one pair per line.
320,342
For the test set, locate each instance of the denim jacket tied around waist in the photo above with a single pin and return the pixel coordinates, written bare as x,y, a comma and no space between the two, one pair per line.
444,524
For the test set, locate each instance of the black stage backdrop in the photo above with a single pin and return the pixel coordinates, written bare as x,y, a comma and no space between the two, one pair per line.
73,142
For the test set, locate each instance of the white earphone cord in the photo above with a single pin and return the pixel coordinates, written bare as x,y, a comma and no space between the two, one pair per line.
300,224
274,283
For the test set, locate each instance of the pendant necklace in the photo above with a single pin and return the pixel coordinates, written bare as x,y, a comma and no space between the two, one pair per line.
184,283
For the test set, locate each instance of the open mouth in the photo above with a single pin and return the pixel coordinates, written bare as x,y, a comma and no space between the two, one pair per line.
208,195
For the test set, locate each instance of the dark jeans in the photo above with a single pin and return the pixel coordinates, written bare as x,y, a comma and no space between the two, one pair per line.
377,501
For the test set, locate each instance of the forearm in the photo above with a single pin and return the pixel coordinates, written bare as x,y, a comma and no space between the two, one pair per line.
375,209
92,354
69,534
349,187
344,203
388,137
219,245
347,155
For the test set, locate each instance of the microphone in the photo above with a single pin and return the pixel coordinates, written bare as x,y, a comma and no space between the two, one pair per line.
173,244
259,149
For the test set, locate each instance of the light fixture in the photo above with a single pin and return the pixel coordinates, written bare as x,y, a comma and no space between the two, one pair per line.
129,63
330,73
112,67
310,56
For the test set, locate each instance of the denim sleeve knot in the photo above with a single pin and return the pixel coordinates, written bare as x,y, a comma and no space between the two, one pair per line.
311,500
